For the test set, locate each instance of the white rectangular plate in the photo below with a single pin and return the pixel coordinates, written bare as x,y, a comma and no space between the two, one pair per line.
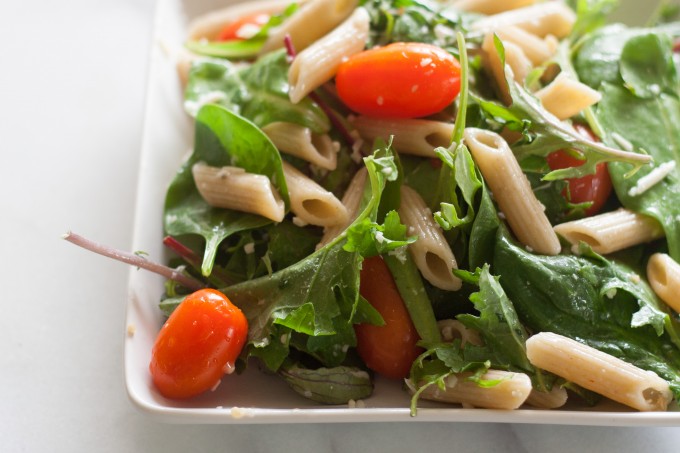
255,397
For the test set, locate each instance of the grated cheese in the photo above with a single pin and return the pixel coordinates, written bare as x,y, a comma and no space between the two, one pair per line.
652,178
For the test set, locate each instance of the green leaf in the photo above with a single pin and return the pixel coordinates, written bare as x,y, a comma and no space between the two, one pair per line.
371,239
258,92
336,385
222,139
647,66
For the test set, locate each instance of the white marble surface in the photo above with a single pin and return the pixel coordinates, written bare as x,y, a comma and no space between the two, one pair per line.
72,83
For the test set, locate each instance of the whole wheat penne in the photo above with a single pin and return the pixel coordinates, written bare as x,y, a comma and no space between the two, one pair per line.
510,392
556,397
512,191
537,50
452,329
311,22
565,97
351,199
300,141
611,231
208,26
599,372
234,188
514,58
663,273
490,6
319,62
431,253
310,202
541,19
418,137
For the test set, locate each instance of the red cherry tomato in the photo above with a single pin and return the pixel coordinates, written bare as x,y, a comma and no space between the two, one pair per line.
595,188
400,80
243,28
389,349
198,344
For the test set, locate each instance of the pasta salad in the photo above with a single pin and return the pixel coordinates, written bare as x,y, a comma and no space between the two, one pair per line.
476,198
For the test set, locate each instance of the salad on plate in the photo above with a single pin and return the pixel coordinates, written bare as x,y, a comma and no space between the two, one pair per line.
477,199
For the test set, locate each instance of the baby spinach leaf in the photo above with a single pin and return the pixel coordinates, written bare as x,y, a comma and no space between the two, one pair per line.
594,301
258,92
336,385
222,139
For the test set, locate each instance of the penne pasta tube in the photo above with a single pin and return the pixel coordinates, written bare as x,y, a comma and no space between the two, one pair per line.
565,97
352,202
556,397
314,20
234,188
537,50
452,329
599,372
431,253
418,137
611,231
514,58
208,26
300,141
490,6
510,392
310,202
319,62
512,191
663,273
541,19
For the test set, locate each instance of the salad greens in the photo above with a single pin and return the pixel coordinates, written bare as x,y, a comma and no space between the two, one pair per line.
302,304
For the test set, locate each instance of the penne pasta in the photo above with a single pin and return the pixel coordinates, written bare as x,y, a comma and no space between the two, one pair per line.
319,62
490,6
314,20
510,391
310,202
452,329
565,97
599,372
514,58
541,19
352,202
299,141
234,188
663,274
431,252
208,26
537,50
611,231
418,137
556,397
512,191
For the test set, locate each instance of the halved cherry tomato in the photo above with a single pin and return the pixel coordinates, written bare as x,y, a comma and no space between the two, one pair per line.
197,345
595,188
400,80
389,349
243,28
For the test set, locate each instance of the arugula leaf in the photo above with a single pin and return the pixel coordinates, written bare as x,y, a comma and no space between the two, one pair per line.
241,48
593,300
222,138
258,92
371,239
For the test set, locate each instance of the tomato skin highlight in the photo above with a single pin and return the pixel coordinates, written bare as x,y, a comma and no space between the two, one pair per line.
594,188
236,31
389,349
199,342
400,80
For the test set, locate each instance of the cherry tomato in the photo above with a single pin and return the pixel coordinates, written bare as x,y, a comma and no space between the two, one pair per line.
243,28
197,345
389,349
400,80
596,187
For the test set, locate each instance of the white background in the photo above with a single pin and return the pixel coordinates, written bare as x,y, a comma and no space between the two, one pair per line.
72,83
